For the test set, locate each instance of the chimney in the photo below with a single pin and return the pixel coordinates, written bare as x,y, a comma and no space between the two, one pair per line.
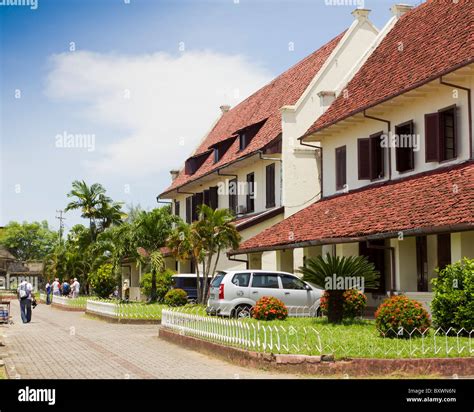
225,108
174,174
361,14
399,10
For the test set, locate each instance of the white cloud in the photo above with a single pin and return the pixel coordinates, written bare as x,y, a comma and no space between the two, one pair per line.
157,107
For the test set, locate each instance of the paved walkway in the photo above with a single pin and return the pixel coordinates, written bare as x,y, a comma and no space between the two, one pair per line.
60,344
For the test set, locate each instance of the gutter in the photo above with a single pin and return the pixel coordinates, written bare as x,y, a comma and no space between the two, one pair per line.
461,227
320,148
469,109
389,125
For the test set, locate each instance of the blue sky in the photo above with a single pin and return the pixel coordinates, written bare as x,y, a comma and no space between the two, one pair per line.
145,78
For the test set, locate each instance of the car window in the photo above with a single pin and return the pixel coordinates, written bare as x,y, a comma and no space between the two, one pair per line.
217,279
241,279
265,280
291,282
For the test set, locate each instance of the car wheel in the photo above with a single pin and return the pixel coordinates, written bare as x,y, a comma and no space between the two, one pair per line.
242,312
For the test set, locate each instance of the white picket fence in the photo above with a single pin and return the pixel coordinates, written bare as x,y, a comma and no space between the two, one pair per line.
101,308
274,338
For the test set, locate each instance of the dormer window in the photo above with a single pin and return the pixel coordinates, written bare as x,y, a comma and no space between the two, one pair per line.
192,165
220,148
248,133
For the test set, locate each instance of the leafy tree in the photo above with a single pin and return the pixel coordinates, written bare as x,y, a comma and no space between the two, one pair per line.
319,270
103,280
29,241
203,241
164,282
149,234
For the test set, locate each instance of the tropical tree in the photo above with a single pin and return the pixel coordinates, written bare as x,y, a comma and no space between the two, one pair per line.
29,241
149,234
331,272
94,205
203,241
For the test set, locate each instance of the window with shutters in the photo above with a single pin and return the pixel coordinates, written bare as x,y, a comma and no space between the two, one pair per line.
371,156
197,200
250,192
213,197
440,135
233,195
176,207
270,185
189,207
404,153
341,165
444,250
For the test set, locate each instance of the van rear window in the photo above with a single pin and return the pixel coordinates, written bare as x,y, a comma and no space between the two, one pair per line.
217,279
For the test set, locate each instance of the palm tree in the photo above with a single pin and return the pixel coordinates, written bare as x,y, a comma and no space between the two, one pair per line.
203,241
89,200
217,233
322,270
150,231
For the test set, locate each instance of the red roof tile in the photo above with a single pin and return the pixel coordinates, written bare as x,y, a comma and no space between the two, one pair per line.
263,104
433,201
428,41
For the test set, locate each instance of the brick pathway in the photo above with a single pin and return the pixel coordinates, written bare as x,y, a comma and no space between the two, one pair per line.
60,344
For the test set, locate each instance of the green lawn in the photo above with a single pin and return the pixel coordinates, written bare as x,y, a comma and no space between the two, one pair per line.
315,336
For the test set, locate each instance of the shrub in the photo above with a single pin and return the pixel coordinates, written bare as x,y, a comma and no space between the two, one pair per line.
176,297
103,280
401,312
164,282
269,308
453,302
353,306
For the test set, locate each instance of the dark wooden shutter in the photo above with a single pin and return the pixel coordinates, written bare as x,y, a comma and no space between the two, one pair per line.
447,130
340,167
213,198
207,198
377,157
431,137
444,250
405,156
176,207
189,206
270,185
363,158
197,200
250,192
233,195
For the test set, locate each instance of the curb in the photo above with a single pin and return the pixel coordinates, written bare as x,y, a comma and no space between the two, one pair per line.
324,365
66,308
114,319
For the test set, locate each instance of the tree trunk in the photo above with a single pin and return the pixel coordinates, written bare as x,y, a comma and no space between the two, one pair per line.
335,306
205,278
198,281
153,294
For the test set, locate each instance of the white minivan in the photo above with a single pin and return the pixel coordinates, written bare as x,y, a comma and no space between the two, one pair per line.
234,293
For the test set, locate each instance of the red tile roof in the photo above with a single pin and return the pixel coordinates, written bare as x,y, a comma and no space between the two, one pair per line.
434,201
428,41
286,89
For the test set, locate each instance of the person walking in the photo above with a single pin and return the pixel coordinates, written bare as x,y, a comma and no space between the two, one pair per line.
25,298
66,287
76,286
48,293
56,287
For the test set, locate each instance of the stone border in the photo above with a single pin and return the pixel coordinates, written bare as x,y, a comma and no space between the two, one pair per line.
66,308
325,365
128,321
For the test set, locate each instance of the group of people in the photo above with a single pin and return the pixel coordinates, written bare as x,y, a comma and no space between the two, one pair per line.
70,289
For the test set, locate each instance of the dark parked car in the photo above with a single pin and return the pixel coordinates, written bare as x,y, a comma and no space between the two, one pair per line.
187,282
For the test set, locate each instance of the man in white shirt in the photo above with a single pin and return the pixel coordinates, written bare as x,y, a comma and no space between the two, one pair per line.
75,288
25,297
56,287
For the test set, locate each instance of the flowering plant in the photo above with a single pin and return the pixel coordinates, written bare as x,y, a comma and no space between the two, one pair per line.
269,308
399,316
353,305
